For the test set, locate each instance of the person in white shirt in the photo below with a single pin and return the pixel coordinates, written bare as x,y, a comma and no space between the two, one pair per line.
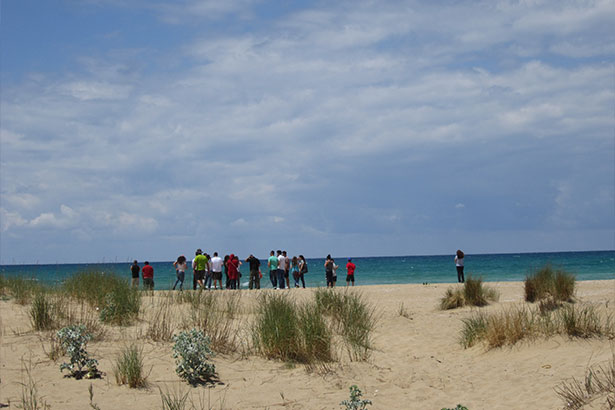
216,270
281,269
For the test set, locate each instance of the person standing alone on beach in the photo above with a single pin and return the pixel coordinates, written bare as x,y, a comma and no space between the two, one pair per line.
350,268
180,271
459,265
148,276
134,270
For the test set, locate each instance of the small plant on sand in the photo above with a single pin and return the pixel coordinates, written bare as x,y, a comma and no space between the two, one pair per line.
73,340
129,367
30,399
452,299
547,283
458,407
121,305
599,385
192,354
355,402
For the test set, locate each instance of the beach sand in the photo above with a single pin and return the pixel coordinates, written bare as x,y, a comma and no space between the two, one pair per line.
417,362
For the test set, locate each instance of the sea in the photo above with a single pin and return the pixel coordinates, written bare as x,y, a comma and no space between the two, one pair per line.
381,270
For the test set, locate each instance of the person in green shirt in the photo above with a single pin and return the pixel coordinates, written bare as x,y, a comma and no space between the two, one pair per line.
272,263
199,264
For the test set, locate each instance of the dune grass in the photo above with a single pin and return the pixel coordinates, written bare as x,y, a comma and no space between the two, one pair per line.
41,312
213,313
117,301
546,283
128,367
473,293
21,289
597,386
285,331
510,326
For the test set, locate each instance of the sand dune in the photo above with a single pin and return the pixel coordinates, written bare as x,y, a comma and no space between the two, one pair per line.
417,362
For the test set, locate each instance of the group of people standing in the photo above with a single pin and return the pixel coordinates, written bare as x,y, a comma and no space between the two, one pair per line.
208,271
281,267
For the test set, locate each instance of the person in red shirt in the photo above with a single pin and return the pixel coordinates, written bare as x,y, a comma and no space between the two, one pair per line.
233,271
148,276
350,267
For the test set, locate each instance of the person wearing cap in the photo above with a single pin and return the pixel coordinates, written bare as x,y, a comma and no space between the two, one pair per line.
180,271
350,268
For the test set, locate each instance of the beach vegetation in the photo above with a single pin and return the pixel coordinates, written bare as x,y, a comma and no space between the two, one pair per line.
30,398
473,293
121,305
213,314
129,367
510,326
192,355
73,340
597,386
286,331
42,312
21,289
174,400
352,317
547,283
355,402
458,407
160,326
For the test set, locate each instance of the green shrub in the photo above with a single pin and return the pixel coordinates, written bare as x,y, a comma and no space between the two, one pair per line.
192,354
73,340
129,367
458,407
355,402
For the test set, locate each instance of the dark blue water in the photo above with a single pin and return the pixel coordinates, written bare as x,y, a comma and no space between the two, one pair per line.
372,270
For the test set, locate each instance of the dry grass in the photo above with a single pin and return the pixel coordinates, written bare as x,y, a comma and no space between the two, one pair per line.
598,385
547,283
473,293
510,326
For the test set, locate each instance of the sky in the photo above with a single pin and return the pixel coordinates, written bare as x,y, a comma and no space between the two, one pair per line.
146,129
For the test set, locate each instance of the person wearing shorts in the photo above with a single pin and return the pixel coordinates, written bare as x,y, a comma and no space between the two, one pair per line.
134,270
350,268
148,276
216,270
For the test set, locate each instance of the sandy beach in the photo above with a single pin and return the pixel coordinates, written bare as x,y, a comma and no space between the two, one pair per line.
417,361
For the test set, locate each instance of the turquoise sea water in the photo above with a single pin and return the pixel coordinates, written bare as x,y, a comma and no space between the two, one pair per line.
372,270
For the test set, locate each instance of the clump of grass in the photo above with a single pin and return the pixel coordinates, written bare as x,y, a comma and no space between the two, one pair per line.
511,326
288,332
129,367
473,293
276,329
41,312
547,283
160,327
452,299
599,381
21,289
352,318
173,400
122,305
213,314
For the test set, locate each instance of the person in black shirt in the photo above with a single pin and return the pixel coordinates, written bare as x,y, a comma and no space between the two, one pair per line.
134,269
255,277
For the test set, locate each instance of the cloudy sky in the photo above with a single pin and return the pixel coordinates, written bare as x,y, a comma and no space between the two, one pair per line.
145,129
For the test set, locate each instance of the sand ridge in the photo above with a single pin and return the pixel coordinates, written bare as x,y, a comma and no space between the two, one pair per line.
417,362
